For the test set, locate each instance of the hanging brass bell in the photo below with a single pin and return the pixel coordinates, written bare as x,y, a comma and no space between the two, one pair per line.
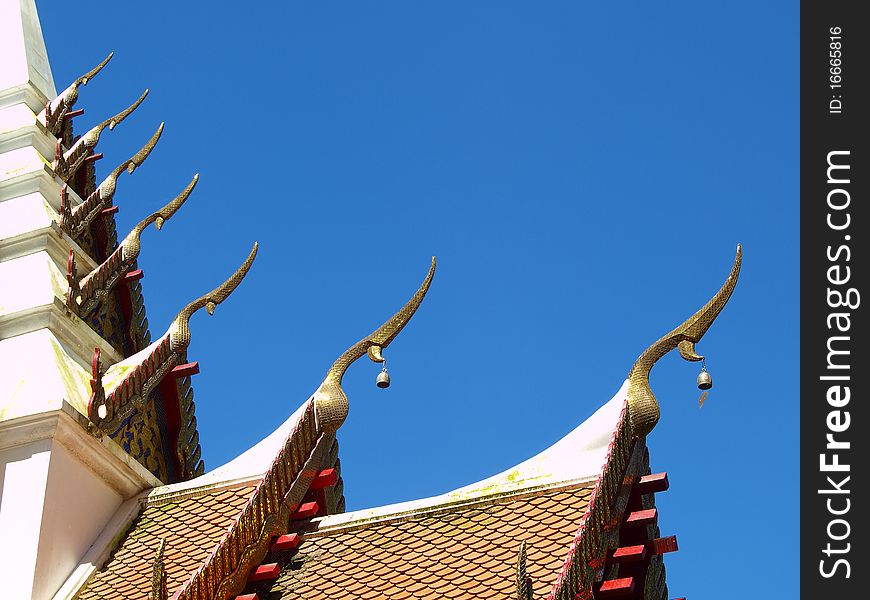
383,379
705,382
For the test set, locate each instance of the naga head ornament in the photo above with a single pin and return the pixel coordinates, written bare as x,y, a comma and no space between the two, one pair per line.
75,220
87,294
131,242
66,163
330,400
179,330
643,408
58,108
107,186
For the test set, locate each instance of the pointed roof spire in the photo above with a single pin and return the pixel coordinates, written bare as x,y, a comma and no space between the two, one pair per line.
24,71
523,582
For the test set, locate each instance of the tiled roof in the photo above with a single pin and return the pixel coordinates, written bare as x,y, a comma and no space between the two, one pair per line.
191,527
465,551
463,543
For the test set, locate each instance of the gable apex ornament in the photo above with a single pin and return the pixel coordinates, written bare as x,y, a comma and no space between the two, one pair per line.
58,108
331,404
643,408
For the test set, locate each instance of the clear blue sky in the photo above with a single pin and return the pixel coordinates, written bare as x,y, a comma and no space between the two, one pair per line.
583,172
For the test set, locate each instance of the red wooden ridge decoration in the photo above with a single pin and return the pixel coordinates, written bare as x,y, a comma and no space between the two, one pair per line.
306,511
642,517
324,479
267,572
615,588
112,210
664,545
286,542
74,113
634,556
134,275
185,370
629,554
92,158
248,597
649,484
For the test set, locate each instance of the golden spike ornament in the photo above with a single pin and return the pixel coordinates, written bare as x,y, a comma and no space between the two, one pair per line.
58,108
75,220
159,589
87,294
523,582
330,400
67,163
643,408
179,330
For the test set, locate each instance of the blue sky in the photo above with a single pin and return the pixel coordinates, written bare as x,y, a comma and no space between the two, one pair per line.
583,172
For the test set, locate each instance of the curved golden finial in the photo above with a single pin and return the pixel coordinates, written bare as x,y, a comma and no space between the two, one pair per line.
131,242
60,106
86,295
75,220
643,408
66,163
107,186
330,401
179,330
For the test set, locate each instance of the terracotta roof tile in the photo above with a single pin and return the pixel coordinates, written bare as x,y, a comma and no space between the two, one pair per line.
191,527
470,551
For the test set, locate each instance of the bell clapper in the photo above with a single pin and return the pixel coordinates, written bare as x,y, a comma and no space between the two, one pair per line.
383,380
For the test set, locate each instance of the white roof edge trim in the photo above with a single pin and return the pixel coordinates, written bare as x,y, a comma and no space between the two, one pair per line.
577,457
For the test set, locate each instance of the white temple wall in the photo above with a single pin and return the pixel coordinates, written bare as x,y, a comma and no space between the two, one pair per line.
59,488
23,477
77,505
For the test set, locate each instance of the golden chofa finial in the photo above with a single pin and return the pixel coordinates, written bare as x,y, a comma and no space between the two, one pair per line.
179,330
74,221
107,186
643,408
329,400
94,288
57,109
66,163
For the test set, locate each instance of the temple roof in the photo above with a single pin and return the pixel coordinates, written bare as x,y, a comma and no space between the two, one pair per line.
265,523
466,550
479,526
